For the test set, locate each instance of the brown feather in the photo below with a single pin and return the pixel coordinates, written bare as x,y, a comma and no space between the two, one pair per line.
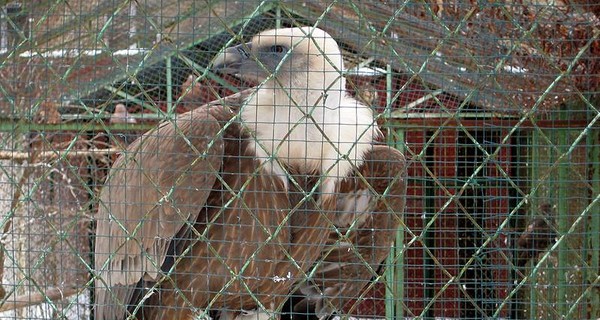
271,273
240,224
245,235
140,211
367,220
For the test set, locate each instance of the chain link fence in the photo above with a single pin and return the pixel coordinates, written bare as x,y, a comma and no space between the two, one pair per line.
493,213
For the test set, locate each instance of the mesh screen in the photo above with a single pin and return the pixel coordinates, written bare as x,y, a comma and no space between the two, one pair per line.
299,159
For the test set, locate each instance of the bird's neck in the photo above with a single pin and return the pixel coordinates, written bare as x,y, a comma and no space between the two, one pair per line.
277,115
306,96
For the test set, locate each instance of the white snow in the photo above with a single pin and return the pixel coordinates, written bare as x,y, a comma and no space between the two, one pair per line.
70,53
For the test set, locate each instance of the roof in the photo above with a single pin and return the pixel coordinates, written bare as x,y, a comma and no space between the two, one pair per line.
71,50
502,58
506,58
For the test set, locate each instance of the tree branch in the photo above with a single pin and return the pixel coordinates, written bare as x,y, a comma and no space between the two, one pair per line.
20,156
27,300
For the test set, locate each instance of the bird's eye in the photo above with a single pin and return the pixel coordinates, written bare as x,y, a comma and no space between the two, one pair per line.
278,49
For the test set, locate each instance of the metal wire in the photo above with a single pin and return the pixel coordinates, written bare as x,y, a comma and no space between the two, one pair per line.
494,105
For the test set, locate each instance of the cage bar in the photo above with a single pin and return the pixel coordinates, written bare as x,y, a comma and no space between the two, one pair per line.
493,105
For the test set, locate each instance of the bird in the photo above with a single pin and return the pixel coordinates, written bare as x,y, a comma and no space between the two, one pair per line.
121,116
190,89
200,217
537,236
366,223
117,138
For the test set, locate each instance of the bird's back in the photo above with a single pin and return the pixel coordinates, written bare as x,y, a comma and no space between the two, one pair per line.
237,241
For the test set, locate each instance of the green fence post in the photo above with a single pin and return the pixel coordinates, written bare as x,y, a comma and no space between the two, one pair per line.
535,176
593,231
395,262
169,80
562,219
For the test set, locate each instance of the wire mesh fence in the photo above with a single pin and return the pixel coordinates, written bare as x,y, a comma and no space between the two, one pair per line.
299,159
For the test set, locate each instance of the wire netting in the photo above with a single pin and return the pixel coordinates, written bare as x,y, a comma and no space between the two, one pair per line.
123,195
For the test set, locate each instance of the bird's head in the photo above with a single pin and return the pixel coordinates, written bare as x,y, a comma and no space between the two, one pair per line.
286,57
121,115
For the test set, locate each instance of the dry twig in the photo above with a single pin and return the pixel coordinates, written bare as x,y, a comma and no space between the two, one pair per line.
27,300
53,154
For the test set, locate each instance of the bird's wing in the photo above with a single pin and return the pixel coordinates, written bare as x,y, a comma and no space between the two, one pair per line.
369,210
154,190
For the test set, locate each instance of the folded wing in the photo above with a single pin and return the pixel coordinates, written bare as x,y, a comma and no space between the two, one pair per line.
368,213
153,191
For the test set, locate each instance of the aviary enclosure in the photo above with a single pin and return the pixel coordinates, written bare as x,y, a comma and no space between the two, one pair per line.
493,104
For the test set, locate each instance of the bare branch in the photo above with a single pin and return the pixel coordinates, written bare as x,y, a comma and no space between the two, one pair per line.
27,300
20,156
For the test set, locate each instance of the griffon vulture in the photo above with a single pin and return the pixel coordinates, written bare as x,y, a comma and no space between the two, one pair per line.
199,213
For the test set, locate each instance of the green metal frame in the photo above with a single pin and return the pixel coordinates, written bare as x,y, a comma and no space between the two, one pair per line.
534,176
593,140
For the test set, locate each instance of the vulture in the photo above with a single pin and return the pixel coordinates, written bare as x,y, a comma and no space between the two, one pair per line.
210,214
121,115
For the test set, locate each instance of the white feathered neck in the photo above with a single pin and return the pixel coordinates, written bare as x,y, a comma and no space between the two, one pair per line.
308,121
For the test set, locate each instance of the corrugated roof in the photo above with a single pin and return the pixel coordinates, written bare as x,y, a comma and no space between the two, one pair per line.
501,56
504,57
72,49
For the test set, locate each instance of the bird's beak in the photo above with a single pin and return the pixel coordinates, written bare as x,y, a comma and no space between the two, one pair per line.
232,59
